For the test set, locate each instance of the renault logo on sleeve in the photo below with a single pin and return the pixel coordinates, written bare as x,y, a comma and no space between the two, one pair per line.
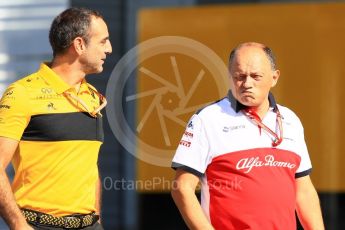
51,106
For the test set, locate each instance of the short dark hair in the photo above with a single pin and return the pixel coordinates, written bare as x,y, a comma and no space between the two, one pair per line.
268,51
71,23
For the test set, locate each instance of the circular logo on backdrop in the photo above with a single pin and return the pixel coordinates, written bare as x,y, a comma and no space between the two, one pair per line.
165,80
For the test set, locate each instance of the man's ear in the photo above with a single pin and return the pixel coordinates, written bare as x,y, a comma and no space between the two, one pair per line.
276,74
79,45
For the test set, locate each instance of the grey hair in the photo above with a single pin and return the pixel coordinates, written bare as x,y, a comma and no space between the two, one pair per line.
68,25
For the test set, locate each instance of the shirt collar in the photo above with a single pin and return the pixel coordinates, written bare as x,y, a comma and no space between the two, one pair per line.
53,79
84,86
238,106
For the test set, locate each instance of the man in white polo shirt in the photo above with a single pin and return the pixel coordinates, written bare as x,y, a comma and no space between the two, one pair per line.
249,154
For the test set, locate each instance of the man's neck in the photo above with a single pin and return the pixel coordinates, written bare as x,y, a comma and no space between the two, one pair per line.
68,70
262,109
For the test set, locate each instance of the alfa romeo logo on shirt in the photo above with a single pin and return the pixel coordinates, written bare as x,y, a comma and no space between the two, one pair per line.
165,80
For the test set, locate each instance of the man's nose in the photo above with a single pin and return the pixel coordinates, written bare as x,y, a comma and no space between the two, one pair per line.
247,82
109,48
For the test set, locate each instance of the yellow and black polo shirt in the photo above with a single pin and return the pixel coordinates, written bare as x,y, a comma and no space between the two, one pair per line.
56,161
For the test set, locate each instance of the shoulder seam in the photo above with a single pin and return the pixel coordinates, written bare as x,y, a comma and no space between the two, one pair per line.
215,102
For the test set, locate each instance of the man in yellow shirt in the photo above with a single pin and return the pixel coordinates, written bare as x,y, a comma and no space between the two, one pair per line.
51,129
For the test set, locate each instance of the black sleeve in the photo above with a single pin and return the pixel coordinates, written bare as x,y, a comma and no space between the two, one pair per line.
187,169
302,174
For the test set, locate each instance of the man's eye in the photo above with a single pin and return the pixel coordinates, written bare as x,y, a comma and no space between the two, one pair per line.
241,77
256,77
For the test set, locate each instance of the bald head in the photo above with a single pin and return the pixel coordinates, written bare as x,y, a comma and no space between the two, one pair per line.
253,73
265,49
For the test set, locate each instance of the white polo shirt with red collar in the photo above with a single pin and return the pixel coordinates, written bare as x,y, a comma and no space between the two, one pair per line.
245,182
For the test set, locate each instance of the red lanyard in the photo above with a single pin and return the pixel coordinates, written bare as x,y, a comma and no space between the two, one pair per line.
256,119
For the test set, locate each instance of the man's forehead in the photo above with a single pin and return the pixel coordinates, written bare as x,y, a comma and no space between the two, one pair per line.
96,22
250,51
250,56
98,26
246,68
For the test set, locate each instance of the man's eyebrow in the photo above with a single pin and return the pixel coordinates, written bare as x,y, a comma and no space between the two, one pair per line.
251,73
257,73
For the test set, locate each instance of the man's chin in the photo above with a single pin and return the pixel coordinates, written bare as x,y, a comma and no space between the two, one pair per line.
248,101
100,70
96,71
